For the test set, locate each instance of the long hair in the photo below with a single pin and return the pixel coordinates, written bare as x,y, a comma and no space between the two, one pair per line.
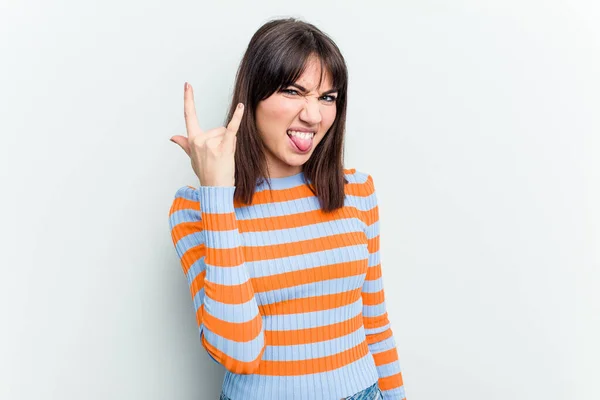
276,56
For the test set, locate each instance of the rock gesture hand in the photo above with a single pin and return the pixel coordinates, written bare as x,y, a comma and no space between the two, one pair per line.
211,152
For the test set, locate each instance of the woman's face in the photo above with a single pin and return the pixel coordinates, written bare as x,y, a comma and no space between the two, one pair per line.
301,113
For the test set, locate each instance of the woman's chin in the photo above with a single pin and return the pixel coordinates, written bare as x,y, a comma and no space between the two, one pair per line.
295,160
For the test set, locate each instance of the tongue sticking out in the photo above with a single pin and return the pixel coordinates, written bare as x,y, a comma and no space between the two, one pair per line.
302,144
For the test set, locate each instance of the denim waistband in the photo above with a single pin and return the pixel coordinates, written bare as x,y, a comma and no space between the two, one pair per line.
370,393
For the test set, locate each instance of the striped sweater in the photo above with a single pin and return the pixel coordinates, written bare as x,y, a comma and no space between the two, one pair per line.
288,299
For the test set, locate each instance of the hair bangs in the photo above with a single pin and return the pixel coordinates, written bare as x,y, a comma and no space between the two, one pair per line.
289,58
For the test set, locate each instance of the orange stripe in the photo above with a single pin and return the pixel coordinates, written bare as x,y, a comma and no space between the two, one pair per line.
197,284
373,299
391,382
373,244
313,335
231,257
310,304
309,275
192,255
314,365
358,189
386,357
370,216
259,253
236,331
378,337
219,221
230,363
185,228
373,273
181,203
199,314
376,322
230,294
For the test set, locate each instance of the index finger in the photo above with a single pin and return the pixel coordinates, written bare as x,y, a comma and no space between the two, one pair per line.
236,119
189,111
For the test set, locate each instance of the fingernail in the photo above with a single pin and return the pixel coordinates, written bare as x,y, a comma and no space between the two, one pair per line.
240,106
185,86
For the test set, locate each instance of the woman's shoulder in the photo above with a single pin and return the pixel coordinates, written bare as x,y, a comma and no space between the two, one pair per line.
361,181
187,192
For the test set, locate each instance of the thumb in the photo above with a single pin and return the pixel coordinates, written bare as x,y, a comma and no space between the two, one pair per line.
182,142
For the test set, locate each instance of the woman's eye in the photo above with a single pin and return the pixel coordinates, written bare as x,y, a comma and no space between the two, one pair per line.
329,98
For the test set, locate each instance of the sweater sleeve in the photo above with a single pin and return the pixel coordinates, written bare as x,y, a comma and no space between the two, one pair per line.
380,338
205,234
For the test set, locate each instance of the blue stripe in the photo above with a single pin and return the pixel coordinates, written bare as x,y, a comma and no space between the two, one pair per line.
383,345
231,313
324,287
373,286
245,352
182,216
374,259
187,242
305,261
372,230
388,369
397,393
195,269
234,313
374,311
302,205
377,330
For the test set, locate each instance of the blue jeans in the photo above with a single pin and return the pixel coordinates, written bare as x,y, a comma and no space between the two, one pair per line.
371,393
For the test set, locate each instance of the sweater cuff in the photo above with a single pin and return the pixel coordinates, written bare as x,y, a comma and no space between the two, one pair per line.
216,199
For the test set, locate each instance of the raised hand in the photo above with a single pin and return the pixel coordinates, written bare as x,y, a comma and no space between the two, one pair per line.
211,152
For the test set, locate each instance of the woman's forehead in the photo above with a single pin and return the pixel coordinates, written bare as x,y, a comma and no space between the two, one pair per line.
313,73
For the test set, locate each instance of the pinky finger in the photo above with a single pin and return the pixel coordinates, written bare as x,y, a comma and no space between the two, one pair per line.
236,119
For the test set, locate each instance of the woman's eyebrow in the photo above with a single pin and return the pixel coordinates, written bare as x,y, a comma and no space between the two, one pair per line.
302,88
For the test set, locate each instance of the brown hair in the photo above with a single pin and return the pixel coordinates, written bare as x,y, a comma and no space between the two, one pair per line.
276,56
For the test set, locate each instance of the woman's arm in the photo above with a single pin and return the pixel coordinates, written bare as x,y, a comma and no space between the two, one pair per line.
206,238
380,339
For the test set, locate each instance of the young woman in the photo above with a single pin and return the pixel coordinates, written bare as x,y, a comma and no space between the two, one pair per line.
279,242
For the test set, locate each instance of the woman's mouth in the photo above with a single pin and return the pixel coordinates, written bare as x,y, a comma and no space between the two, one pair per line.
301,141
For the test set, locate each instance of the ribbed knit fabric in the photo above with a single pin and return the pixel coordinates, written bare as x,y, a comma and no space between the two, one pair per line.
288,299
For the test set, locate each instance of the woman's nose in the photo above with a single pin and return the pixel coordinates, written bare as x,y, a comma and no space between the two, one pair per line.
311,112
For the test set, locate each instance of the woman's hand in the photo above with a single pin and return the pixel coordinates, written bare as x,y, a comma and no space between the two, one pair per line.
211,152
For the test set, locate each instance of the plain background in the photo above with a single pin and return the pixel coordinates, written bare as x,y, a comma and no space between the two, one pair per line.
478,120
